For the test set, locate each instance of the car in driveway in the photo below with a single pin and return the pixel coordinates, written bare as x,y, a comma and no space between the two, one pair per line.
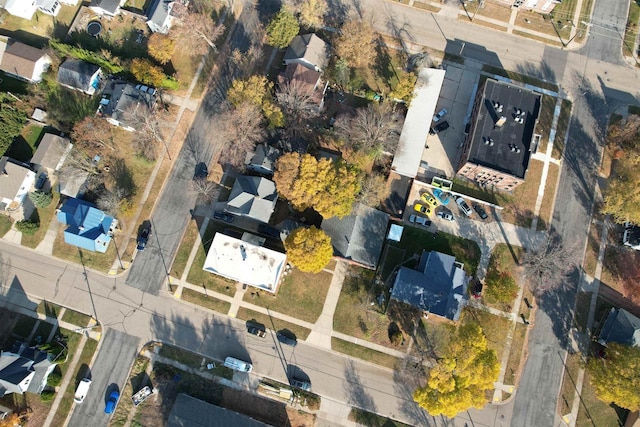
112,402
440,127
447,216
422,209
440,114
143,237
429,199
480,211
301,384
223,216
464,207
287,339
253,330
441,196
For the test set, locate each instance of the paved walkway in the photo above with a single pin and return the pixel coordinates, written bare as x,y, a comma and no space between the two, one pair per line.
323,328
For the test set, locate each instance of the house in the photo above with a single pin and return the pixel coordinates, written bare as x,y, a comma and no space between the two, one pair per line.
26,8
23,61
79,75
73,185
16,180
308,50
539,6
631,236
411,145
437,286
263,159
120,101
88,227
253,197
306,80
620,326
50,154
189,411
245,262
106,7
24,369
159,17
358,237
497,150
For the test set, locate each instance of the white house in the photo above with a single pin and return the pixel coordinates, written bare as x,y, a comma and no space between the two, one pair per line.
26,8
23,61
106,7
159,16
16,180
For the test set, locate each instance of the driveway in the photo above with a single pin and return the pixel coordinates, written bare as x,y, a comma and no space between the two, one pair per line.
109,372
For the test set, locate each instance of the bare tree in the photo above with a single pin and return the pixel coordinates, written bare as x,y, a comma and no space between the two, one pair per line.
239,128
206,190
245,62
150,123
79,162
548,264
195,30
373,129
93,134
297,104
373,189
111,201
310,13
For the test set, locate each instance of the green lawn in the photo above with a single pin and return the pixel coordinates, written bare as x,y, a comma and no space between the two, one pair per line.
44,216
48,309
5,224
272,323
593,411
496,328
193,360
182,256
631,31
76,318
25,144
504,260
300,295
203,300
364,353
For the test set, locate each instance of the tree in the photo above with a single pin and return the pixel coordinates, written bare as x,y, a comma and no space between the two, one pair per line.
356,44
461,377
257,90
239,129
296,102
403,90
373,129
206,190
27,227
245,62
11,420
501,287
160,47
373,189
40,199
548,264
149,122
93,134
282,29
144,71
310,13
616,376
309,249
111,201
326,186
195,31
12,119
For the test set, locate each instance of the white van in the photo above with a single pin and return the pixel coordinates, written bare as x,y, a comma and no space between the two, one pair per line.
237,364
82,390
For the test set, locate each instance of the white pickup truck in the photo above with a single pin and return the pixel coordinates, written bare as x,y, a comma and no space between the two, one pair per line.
82,390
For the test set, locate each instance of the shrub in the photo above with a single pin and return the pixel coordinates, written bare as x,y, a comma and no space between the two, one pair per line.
55,378
27,227
396,337
501,287
40,199
47,395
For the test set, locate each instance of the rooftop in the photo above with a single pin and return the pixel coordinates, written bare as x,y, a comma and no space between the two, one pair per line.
621,327
189,411
245,262
51,152
119,98
78,74
18,58
254,197
499,140
309,47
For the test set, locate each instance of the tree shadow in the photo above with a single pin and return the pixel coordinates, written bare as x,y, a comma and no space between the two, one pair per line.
407,377
122,175
356,390
541,70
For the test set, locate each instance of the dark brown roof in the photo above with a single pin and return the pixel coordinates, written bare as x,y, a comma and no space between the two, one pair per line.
20,59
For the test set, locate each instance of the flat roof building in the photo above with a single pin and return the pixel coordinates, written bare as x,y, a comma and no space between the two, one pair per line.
497,150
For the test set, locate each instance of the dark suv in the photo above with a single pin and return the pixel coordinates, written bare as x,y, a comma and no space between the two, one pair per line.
480,210
286,339
143,237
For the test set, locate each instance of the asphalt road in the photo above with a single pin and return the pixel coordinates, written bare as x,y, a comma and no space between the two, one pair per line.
108,373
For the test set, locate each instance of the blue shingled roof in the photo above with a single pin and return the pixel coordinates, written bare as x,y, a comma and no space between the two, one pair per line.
88,227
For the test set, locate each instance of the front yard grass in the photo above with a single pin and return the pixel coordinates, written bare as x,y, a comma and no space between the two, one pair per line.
505,259
631,30
364,353
5,224
593,411
25,144
545,119
568,387
300,295
495,327
273,323
45,216
519,206
95,260
186,246
517,351
206,301
76,318
48,309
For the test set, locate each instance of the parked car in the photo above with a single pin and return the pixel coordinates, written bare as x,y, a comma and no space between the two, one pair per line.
440,114
253,330
82,390
447,216
303,385
439,128
480,210
237,364
112,402
42,178
464,207
412,218
143,238
423,221
441,196
223,216
429,199
286,339
422,209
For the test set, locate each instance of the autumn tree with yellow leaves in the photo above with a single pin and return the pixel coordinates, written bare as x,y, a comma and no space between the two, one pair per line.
309,249
616,377
257,90
461,377
328,187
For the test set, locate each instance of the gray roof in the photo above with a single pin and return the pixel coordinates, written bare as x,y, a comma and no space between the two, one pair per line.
159,11
254,197
621,327
309,47
118,98
499,155
360,236
188,411
20,363
51,151
77,74
438,285
264,157
110,6
12,175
